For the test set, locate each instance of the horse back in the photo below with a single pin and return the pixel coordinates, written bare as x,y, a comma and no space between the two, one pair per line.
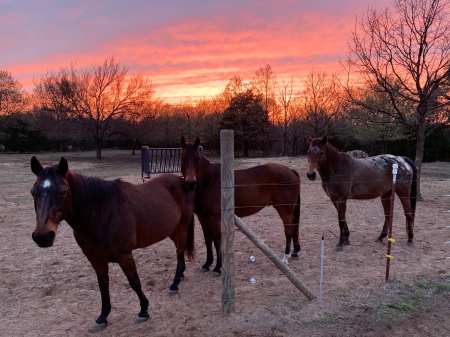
159,206
262,185
364,178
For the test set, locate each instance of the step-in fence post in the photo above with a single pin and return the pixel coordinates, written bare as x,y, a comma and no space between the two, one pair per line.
391,217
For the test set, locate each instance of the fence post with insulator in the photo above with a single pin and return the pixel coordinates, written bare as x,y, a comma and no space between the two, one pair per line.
391,217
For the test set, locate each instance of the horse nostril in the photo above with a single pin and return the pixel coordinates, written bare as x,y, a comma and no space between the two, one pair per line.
45,240
191,185
311,175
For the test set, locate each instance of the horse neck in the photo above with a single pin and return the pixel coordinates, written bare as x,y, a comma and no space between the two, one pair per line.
80,198
205,171
331,163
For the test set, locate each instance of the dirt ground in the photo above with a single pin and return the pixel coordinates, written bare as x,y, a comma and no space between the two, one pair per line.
54,292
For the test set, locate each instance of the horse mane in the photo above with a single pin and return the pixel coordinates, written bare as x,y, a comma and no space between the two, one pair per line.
332,154
95,192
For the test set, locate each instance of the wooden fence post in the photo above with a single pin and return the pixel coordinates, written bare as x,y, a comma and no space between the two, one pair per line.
227,205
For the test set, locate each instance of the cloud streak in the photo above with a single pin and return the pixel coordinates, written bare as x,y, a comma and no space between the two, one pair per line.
186,48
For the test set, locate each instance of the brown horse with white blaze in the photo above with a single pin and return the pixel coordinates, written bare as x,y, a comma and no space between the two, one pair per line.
256,187
112,218
344,177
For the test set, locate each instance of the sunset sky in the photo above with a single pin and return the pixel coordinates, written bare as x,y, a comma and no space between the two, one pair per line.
186,48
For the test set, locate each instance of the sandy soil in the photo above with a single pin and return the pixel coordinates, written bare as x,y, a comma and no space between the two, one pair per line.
54,292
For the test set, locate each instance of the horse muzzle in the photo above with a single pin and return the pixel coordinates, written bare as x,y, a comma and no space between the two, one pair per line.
311,175
44,240
190,185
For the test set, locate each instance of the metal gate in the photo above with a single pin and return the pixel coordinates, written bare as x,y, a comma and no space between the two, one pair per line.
159,160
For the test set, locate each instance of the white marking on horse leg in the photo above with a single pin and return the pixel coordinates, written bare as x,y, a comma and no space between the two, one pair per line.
286,259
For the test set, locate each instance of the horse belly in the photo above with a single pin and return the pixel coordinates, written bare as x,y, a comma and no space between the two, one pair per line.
369,190
155,225
250,200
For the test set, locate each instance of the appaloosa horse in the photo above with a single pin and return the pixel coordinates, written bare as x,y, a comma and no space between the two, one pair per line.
112,218
345,177
256,187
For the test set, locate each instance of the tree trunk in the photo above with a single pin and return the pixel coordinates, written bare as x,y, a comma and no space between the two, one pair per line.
420,148
99,152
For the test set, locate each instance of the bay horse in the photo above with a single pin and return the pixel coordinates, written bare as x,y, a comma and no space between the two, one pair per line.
112,218
256,187
344,177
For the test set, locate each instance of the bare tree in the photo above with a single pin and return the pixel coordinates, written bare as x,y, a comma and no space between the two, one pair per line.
96,95
285,98
12,98
264,83
323,103
404,51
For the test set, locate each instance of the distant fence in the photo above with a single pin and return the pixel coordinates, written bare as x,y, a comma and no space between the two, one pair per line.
159,160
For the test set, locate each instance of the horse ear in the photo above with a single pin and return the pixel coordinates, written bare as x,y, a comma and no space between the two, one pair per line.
183,142
309,139
36,166
324,140
197,142
63,166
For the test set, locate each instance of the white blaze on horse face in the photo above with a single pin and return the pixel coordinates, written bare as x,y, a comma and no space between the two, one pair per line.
315,150
46,183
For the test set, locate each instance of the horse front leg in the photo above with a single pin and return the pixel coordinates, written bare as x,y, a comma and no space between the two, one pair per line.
101,269
341,207
128,266
386,202
179,274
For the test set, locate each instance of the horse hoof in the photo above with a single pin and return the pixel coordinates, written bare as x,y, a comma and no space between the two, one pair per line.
216,273
410,244
173,292
98,327
339,248
205,269
140,320
294,256
379,240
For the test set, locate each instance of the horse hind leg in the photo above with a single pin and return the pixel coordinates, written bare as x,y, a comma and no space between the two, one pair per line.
291,218
386,202
128,266
296,229
208,236
409,215
288,235
217,269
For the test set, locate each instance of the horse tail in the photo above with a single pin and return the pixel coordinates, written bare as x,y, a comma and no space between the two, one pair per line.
413,193
190,249
296,215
